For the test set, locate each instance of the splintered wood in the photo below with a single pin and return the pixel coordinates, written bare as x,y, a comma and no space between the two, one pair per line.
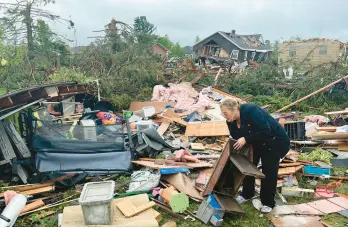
163,128
217,128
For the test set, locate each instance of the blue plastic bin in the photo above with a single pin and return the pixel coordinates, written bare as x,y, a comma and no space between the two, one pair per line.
316,170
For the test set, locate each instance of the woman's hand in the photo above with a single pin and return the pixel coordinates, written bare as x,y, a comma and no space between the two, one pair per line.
239,144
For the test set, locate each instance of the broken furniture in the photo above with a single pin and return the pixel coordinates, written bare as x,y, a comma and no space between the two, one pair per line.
210,210
8,137
179,202
95,201
228,175
64,155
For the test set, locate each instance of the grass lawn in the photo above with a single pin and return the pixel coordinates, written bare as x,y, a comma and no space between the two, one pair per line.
2,91
251,217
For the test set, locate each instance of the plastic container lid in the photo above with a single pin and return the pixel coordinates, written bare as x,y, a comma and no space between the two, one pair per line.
97,193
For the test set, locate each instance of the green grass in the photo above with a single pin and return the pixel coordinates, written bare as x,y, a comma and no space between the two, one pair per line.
335,220
3,91
251,218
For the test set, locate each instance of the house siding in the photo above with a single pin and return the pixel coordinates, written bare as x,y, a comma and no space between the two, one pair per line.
156,49
307,53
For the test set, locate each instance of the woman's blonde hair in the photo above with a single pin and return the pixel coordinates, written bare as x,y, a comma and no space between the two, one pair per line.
230,103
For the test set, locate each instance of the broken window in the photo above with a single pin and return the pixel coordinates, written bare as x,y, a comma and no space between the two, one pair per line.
266,57
234,54
259,59
245,55
292,51
323,50
253,55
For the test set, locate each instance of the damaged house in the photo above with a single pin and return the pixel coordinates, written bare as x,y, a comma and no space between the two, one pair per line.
231,45
307,54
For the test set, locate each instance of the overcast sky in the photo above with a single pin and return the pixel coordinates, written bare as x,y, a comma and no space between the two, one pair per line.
183,20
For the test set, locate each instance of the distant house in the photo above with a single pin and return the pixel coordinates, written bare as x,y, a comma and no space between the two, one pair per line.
237,47
159,49
310,53
188,51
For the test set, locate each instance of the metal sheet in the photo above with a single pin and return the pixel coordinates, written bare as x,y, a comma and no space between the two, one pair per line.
245,166
339,162
228,203
343,213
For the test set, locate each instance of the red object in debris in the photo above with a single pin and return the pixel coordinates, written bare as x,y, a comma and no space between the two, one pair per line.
323,190
8,195
183,155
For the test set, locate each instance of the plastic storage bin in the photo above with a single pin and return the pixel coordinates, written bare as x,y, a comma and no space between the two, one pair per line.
95,201
296,130
316,170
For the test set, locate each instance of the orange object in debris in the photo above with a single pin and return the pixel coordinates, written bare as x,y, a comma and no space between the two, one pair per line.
335,184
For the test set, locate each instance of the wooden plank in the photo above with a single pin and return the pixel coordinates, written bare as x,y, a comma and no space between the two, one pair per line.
43,214
159,106
328,129
129,210
32,206
163,128
197,146
342,147
189,165
290,164
38,190
214,128
289,170
219,167
330,135
171,114
26,187
331,177
336,112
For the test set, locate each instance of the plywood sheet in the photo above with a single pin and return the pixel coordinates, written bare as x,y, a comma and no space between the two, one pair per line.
289,170
163,128
329,135
73,216
197,146
325,206
245,166
214,128
159,106
300,209
183,184
340,201
129,210
297,221
328,129
290,164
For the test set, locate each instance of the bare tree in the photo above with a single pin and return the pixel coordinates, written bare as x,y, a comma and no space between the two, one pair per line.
19,20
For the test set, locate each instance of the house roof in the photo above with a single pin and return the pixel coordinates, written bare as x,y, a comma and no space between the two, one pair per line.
161,46
244,42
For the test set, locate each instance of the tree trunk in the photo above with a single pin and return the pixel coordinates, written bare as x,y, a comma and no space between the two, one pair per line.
28,24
